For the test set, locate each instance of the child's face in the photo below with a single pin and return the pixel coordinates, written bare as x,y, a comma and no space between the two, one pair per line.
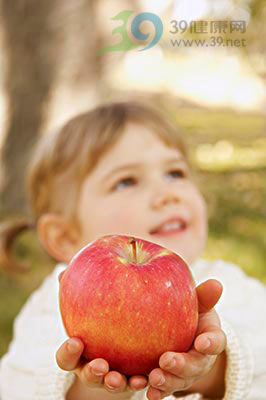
151,187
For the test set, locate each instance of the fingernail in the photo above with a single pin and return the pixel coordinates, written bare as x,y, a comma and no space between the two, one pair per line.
72,346
205,344
98,373
161,381
114,384
110,387
170,364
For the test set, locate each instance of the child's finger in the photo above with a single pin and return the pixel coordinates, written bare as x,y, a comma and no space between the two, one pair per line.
153,394
209,293
68,354
208,322
99,367
115,382
167,382
92,374
137,382
186,365
210,337
211,342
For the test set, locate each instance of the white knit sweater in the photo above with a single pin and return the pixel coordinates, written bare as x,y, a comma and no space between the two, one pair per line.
29,370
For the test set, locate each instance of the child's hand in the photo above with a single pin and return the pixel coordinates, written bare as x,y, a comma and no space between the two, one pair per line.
95,374
188,368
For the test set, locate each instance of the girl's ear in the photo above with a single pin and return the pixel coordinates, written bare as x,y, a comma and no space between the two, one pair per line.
59,238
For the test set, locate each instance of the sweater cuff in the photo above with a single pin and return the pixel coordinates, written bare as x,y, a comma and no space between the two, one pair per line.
53,384
239,365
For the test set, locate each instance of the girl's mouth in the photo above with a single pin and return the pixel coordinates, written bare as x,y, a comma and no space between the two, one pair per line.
169,227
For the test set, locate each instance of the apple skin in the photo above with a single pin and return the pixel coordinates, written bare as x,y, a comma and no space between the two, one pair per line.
129,301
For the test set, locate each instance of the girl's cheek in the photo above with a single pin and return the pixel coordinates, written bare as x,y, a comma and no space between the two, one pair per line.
124,216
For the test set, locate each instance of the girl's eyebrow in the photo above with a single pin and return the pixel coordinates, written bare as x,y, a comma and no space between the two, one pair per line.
131,166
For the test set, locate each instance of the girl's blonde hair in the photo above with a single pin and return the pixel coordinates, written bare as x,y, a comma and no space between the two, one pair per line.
64,158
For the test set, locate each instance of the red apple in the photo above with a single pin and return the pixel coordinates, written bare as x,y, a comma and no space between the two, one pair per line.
129,301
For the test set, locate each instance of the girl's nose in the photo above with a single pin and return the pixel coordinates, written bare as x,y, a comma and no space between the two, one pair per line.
165,198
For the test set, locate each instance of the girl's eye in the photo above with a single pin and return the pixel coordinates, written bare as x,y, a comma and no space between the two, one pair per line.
124,182
177,173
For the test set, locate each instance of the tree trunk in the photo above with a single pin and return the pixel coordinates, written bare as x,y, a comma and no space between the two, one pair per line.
30,51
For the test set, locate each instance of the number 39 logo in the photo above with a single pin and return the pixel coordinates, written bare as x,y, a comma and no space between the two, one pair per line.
126,43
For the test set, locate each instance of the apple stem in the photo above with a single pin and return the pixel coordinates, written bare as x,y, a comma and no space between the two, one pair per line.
133,242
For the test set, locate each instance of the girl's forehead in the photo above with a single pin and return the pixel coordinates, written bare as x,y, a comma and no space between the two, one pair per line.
139,140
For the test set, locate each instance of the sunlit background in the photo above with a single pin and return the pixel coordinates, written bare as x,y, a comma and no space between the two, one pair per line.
217,94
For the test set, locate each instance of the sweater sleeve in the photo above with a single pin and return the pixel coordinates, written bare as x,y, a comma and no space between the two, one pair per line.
29,371
239,365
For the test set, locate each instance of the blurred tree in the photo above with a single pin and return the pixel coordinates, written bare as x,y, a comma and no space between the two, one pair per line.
80,37
31,61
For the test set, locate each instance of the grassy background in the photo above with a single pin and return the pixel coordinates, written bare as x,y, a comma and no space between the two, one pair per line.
235,193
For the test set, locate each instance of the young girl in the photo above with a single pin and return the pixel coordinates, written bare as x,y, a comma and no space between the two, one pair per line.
122,169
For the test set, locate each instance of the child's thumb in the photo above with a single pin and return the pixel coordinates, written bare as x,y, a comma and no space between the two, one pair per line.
209,293
68,354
